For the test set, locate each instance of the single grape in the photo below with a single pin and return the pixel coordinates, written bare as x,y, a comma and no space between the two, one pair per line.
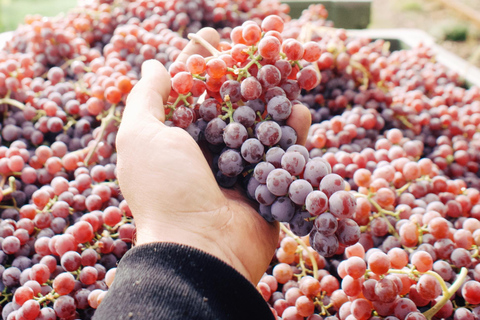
283,209
230,163
278,182
252,150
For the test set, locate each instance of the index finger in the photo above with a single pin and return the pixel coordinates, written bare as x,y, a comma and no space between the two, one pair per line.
193,47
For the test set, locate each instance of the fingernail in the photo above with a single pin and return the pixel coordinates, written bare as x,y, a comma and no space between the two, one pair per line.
149,68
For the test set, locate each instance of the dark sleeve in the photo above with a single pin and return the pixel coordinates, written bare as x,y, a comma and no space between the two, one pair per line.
172,281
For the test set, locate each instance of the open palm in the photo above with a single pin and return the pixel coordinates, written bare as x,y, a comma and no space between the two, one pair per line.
171,189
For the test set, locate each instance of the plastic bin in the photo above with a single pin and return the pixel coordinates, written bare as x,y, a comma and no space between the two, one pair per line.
348,14
409,38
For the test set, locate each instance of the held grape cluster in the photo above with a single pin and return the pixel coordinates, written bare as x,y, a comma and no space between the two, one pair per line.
379,211
248,91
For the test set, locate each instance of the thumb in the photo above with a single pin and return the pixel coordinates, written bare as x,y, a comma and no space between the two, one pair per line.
145,101
300,120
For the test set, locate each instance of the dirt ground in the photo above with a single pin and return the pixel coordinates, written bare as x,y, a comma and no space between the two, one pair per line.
433,17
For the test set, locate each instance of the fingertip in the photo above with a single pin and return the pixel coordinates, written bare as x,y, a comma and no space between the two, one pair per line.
208,34
150,66
211,35
300,120
148,95
154,73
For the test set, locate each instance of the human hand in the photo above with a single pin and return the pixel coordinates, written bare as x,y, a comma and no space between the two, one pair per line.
170,187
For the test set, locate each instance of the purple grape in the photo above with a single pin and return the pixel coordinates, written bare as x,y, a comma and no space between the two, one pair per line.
264,196
11,277
271,93
348,232
251,88
299,190
278,181
214,131
230,163
261,171
342,204
326,246
331,183
316,202
283,209
64,306
279,108
291,88
245,115
208,109
251,187
274,156
289,137
234,135
301,149
231,88
194,130
269,133
252,150
266,212
300,223
269,76
293,162
257,105
315,170
326,223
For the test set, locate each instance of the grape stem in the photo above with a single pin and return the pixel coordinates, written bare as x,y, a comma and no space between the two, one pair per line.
382,212
405,121
11,186
302,265
109,230
447,293
359,66
204,43
13,102
296,63
402,189
199,77
69,124
323,308
243,72
183,98
5,295
50,203
51,296
475,254
2,182
228,110
304,246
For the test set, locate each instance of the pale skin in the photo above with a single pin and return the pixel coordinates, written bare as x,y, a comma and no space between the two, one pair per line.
170,187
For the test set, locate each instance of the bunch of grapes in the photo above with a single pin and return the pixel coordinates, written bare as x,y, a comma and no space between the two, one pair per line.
249,91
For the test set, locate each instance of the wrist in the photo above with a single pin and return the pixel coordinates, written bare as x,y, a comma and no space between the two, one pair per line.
203,238
234,233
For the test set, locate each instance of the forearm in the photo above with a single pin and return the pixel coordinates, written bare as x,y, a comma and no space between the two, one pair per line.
171,281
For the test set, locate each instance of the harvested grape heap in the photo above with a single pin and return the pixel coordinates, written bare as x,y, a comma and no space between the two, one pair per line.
379,211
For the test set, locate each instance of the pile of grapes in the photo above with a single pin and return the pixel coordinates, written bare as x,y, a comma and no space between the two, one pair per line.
379,210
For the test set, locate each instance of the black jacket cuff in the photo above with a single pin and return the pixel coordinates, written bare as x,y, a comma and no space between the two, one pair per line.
173,281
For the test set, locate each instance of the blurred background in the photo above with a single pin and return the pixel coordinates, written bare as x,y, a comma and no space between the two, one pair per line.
445,20
12,12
